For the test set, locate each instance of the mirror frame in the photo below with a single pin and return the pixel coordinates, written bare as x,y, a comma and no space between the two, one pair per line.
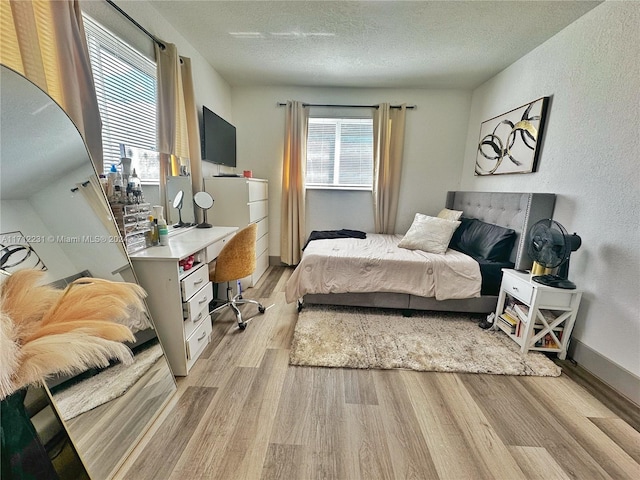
127,273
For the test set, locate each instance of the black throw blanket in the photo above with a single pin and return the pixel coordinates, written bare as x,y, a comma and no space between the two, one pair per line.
324,234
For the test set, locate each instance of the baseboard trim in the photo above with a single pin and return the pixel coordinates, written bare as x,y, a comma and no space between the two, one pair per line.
275,261
621,380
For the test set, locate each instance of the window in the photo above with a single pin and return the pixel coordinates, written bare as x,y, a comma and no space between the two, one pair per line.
340,153
125,83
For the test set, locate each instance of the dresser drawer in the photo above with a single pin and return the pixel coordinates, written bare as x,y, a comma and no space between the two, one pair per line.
262,263
214,249
193,282
199,338
519,288
263,227
262,245
197,302
258,190
257,210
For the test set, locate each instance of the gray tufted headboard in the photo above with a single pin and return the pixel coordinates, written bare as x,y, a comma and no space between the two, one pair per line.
518,211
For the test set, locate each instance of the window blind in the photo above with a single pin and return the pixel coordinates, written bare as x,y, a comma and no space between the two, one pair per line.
340,152
126,85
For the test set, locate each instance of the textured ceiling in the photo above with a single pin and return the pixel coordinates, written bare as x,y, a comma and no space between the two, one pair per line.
428,44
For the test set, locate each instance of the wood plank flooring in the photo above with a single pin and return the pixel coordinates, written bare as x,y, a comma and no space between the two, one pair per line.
244,413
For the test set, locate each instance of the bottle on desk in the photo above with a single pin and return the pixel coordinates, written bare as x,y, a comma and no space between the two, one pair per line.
163,231
153,238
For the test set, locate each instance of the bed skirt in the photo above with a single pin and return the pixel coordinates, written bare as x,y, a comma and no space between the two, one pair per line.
483,304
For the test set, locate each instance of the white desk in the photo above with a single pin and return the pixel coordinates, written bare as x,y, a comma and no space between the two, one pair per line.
179,301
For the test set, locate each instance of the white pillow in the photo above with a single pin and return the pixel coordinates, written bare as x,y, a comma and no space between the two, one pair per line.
429,234
450,214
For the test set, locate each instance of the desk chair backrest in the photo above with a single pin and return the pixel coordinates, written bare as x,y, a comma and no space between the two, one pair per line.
237,259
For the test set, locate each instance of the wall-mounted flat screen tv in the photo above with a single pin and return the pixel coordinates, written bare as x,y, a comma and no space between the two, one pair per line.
218,139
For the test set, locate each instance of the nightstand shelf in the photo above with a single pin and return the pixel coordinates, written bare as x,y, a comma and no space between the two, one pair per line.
538,317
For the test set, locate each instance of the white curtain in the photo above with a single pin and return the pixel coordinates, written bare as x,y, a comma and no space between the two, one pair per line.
178,131
294,159
388,145
45,42
193,130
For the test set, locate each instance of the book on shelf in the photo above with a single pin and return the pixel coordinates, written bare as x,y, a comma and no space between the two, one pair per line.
509,322
519,329
548,341
516,308
522,311
509,318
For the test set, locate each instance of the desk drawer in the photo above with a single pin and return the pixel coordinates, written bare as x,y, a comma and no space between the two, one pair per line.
197,302
194,321
199,338
257,210
214,249
521,289
193,282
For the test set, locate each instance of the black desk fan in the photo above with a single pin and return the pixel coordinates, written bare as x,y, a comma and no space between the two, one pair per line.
550,247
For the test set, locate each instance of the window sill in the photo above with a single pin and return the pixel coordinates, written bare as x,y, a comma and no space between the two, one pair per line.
338,187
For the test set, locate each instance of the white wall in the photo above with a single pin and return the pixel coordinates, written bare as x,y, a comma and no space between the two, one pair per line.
590,159
434,149
70,218
64,230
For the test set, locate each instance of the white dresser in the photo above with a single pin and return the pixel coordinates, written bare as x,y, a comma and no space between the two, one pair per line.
179,300
238,202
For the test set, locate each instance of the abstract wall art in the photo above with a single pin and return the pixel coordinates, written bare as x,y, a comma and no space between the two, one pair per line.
16,253
510,143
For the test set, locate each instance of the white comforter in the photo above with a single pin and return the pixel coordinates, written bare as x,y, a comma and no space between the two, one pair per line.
377,264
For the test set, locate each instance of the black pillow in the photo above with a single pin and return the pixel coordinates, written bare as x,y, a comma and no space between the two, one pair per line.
486,240
457,234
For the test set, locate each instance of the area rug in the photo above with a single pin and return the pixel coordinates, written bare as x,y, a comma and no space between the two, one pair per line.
106,385
351,337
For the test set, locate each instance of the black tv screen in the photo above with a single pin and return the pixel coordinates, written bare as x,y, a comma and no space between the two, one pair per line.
218,139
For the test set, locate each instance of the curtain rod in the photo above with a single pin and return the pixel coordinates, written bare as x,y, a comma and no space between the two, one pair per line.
409,107
144,30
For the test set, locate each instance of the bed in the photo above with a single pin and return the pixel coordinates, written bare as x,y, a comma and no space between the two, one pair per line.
327,272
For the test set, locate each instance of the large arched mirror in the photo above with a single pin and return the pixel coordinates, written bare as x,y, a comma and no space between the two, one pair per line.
52,207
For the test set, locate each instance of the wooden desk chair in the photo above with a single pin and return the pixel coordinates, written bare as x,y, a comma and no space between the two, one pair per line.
236,260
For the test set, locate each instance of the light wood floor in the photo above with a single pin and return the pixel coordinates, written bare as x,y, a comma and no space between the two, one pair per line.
107,433
244,413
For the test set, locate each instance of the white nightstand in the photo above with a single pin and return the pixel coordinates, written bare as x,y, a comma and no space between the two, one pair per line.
535,316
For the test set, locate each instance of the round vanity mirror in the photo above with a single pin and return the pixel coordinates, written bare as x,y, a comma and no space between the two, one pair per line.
204,201
177,203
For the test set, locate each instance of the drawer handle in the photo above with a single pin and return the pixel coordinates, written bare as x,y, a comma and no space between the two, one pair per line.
198,282
204,334
515,288
199,316
202,301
